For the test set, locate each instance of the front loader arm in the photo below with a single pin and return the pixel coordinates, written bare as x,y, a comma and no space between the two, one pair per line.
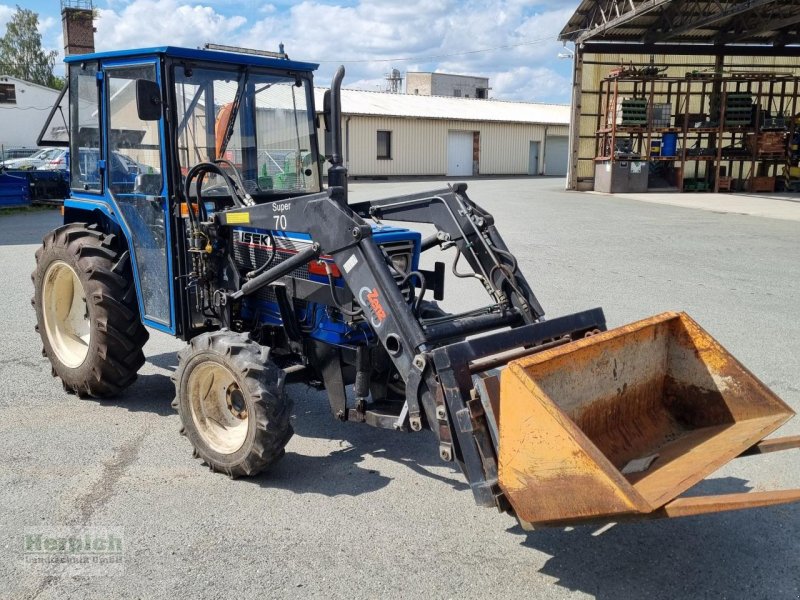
462,223
436,370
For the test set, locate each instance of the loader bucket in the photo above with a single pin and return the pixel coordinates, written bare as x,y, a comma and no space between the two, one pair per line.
621,423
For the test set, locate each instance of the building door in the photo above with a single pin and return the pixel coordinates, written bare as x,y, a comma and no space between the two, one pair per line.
556,155
533,159
459,153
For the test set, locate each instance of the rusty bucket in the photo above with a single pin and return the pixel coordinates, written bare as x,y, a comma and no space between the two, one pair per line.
622,423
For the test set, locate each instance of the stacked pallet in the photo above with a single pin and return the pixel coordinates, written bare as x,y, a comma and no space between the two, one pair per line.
768,144
630,112
739,109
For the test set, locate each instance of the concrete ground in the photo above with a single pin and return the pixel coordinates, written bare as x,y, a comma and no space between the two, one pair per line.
355,512
784,206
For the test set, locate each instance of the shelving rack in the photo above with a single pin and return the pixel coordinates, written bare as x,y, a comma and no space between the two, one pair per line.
714,123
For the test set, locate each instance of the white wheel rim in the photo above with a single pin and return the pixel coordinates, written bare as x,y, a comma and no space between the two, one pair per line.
66,314
218,407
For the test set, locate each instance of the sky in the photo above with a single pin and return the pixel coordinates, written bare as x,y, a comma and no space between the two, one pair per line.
512,42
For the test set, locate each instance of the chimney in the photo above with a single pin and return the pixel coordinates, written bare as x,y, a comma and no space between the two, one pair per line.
77,19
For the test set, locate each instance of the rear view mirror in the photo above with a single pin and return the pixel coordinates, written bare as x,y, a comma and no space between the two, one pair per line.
148,100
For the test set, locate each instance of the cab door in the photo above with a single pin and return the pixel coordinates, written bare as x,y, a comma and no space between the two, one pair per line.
135,178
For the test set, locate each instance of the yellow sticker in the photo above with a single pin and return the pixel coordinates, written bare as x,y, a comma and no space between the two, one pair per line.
242,217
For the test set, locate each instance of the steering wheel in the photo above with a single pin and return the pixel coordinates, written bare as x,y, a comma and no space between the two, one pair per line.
238,194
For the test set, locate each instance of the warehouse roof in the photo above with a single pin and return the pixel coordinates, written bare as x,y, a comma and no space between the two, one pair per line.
11,78
384,104
719,22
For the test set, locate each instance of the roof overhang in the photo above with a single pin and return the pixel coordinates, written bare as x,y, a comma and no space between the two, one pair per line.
712,23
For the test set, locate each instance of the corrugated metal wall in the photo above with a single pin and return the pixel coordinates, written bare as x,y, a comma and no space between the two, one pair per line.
419,146
597,66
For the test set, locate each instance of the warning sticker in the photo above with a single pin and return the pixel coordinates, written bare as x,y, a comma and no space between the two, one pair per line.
237,218
350,263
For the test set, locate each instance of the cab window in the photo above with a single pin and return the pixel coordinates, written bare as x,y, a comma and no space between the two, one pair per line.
85,173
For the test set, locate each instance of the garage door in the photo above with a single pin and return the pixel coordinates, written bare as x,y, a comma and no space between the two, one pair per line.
459,153
556,155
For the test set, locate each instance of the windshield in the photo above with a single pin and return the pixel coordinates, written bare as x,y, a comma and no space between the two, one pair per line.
261,123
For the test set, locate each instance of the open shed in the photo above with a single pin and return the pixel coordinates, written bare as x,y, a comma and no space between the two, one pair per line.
689,95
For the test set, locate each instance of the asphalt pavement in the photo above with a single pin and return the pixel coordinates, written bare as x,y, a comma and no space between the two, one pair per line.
361,513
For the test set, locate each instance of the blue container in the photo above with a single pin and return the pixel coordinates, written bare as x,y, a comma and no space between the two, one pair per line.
669,144
14,189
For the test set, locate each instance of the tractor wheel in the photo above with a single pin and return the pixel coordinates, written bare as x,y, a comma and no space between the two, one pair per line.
86,311
230,398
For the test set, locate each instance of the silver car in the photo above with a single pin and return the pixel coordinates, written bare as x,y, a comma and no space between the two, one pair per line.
34,161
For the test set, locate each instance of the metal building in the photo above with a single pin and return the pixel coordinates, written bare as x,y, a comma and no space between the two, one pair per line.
443,84
683,39
24,107
409,135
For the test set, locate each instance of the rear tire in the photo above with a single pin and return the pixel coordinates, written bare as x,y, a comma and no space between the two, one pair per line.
86,311
230,398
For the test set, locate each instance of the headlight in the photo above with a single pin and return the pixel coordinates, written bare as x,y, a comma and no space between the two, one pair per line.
400,262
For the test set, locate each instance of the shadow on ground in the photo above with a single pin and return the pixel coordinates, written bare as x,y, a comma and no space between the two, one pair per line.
744,554
340,472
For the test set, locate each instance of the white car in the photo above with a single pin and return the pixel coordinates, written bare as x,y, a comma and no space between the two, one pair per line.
34,161
59,161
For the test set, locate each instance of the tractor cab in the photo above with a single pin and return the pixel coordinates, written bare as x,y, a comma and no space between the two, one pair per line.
137,121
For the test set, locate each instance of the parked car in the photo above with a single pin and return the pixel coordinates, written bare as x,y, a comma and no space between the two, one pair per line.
60,161
57,161
14,153
33,161
123,175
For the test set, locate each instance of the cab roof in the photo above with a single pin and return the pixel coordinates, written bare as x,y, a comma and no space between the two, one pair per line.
234,58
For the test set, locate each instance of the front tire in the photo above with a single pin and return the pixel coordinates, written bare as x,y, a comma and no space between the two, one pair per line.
86,311
230,398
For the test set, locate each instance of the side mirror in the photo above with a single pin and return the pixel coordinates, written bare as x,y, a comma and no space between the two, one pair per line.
148,100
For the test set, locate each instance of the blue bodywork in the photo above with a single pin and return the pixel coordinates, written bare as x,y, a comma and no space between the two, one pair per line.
316,319
195,54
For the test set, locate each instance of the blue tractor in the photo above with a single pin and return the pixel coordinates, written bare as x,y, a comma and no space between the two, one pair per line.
225,236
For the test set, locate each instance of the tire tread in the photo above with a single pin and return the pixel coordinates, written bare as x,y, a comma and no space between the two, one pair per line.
109,288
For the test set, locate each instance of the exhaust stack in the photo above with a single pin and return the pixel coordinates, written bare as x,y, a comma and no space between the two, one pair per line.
337,173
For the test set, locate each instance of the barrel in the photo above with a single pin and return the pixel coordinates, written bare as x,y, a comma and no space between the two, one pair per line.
669,144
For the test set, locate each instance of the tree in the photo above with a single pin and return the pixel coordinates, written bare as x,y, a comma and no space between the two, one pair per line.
21,53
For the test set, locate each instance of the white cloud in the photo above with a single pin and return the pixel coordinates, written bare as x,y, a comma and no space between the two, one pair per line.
46,24
523,67
145,23
536,84
5,16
